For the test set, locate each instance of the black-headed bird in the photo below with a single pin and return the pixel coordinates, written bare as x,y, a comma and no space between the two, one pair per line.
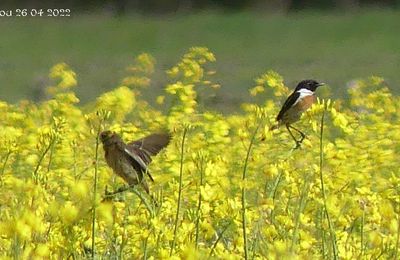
130,161
299,101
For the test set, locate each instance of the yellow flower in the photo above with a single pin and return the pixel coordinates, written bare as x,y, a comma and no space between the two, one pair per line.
160,100
65,76
42,250
120,101
23,231
49,154
68,213
257,89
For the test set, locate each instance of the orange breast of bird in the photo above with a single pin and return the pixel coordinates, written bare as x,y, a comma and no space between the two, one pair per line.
305,103
294,113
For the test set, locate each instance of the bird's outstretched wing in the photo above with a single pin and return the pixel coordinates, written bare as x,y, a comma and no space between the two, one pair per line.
288,104
152,144
141,150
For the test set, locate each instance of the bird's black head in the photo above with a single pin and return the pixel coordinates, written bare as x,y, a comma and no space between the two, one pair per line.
309,84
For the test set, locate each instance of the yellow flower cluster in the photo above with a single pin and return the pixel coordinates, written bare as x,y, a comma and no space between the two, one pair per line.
226,187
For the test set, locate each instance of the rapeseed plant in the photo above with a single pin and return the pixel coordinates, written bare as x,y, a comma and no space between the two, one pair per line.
221,191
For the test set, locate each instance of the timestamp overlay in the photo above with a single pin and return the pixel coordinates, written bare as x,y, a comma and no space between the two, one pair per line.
35,12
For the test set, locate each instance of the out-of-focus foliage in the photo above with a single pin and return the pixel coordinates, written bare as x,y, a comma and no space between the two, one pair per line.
48,159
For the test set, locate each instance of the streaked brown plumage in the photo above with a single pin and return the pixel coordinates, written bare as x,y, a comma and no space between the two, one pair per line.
130,161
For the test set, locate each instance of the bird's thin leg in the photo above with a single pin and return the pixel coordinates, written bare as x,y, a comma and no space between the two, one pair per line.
294,138
300,132
119,190
109,195
148,174
146,188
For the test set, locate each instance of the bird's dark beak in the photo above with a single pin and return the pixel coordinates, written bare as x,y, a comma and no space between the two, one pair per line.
321,84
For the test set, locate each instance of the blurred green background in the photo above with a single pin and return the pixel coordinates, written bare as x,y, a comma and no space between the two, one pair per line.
332,43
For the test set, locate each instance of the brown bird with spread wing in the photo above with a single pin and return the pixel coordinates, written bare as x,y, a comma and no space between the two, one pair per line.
130,161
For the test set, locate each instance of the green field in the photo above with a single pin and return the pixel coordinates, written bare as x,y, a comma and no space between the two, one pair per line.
331,47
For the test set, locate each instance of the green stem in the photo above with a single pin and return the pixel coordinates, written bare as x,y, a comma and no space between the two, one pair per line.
179,192
362,232
16,247
145,248
96,163
332,233
257,236
272,194
199,201
219,238
244,222
4,165
145,202
149,208
75,161
398,236
350,233
322,233
35,172
300,209
51,153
